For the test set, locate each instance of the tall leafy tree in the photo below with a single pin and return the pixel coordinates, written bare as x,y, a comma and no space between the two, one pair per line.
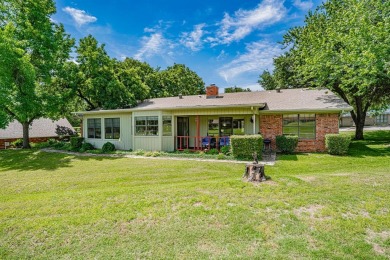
345,47
33,49
175,80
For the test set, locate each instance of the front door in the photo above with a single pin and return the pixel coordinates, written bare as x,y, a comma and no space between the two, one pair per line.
183,126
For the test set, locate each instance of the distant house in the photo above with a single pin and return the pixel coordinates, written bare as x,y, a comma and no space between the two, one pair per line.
382,119
40,131
188,122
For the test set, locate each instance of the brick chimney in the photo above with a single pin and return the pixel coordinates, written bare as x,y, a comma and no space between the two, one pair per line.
211,91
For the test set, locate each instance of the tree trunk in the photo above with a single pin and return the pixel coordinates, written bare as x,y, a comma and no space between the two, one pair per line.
359,118
26,138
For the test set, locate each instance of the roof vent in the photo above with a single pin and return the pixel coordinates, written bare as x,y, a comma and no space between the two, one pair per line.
278,89
181,96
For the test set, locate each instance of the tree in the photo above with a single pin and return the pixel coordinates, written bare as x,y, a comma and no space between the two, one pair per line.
175,80
267,81
32,50
237,89
345,47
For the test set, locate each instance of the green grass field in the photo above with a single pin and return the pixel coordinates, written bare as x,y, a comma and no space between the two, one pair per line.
315,206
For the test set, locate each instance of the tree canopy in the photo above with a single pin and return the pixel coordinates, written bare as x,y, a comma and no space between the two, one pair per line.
33,49
345,47
236,89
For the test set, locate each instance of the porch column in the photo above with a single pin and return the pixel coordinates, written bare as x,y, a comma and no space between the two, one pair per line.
197,131
254,124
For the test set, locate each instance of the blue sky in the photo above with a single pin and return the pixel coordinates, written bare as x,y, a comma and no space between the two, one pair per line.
228,43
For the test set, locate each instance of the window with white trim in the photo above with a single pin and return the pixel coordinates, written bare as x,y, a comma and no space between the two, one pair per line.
112,128
94,128
167,126
146,125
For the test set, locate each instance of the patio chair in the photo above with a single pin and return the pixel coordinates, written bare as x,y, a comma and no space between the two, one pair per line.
208,141
224,140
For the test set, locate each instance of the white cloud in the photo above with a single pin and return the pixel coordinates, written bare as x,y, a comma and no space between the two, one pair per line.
193,40
303,5
258,57
154,45
79,16
243,22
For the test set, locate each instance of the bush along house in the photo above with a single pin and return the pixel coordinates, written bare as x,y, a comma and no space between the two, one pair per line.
200,121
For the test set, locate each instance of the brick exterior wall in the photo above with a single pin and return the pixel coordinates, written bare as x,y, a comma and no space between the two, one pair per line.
272,125
32,140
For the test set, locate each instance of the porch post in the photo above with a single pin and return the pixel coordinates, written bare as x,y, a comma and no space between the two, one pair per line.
197,131
254,124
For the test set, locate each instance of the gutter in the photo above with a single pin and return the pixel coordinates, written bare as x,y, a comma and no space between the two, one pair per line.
125,110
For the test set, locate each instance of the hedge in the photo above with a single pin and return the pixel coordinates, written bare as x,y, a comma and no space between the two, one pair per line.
243,146
286,143
76,142
337,144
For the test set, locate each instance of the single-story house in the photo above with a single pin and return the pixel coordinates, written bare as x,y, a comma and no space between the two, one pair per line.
186,122
41,130
372,119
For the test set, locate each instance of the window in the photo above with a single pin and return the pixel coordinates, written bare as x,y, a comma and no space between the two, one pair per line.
302,125
146,125
167,126
94,128
381,119
112,128
213,128
238,126
225,125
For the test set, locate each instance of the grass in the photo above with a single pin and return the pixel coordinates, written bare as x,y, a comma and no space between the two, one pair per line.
314,206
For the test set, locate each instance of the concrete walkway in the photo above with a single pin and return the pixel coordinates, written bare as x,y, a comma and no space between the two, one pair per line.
268,160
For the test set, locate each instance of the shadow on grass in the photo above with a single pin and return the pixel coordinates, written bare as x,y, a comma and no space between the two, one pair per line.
289,157
376,143
32,160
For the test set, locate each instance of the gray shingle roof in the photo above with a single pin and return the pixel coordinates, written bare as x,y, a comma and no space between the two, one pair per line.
285,100
42,127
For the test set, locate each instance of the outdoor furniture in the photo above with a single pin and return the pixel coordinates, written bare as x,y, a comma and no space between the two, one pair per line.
208,142
267,144
224,140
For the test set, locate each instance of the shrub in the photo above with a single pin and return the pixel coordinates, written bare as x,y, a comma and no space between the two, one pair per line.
108,147
17,143
212,151
243,146
139,152
76,142
225,150
221,156
286,143
59,145
86,146
51,141
152,154
337,144
64,131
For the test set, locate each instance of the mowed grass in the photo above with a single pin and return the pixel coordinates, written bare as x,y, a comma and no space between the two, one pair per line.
314,206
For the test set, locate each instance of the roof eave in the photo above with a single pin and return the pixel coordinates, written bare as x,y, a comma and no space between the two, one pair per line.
165,108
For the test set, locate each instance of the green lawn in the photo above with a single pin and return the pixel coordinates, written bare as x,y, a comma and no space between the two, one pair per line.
314,206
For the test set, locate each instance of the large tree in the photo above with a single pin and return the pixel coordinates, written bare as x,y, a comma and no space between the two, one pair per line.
33,49
345,47
175,80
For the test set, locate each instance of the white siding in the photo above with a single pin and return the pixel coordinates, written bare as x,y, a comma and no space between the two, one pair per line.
125,140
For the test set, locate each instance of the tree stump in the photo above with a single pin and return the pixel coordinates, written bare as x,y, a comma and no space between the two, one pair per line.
254,172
